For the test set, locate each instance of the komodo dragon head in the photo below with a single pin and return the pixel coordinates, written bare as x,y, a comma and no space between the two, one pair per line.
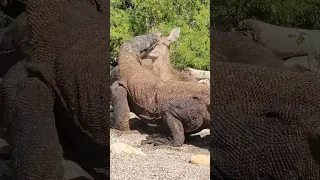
158,59
163,45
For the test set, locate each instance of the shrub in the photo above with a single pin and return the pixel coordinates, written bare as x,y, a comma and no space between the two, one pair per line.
136,17
290,13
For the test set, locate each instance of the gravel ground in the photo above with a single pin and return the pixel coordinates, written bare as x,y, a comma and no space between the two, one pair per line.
161,162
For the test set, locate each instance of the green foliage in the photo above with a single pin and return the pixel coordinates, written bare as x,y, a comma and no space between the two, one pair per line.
290,13
136,17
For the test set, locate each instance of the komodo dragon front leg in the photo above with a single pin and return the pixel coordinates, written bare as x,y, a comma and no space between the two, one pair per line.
120,106
182,116
33,134
28,114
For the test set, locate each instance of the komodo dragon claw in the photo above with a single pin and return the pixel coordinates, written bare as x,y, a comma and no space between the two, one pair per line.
158,140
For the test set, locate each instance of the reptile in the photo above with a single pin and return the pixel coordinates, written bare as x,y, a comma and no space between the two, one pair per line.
182,106
160,58
59,104
157,60
264,123
233,47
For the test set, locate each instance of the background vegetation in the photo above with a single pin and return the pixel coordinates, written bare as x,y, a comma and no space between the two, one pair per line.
135,17
290,13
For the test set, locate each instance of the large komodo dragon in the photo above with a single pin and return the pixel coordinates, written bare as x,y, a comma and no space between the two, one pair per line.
65,98
183,106
265,123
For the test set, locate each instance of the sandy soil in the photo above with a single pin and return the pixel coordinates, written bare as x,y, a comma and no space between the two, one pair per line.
160,162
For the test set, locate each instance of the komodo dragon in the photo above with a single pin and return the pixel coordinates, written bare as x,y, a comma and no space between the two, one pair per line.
59,101
183,106
233,47
158,60
160,57
265,123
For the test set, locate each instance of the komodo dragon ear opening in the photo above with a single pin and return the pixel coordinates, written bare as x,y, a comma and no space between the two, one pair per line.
174,34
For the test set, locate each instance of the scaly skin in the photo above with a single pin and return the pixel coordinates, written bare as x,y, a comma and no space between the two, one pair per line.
59,101
152,98
265,123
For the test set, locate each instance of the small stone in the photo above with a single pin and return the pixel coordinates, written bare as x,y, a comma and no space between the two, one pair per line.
133,116
200,159
203,133
122,147
74,171
204,81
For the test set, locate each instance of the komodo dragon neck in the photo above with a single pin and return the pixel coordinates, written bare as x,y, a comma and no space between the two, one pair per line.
162,66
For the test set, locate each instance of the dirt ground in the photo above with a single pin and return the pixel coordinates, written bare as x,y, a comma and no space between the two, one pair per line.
159,162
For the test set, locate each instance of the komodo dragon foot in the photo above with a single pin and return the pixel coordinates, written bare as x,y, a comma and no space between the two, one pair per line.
182,116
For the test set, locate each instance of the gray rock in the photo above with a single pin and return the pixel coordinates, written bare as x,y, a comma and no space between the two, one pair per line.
73,170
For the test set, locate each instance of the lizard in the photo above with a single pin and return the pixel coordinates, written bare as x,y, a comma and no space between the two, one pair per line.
232,47
160,57
59,100
182,106
264,123
157,60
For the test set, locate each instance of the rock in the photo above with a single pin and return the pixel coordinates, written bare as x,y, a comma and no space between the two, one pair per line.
198,74
133,116
5,150
74,171
202,133
204,81
200,159
122,147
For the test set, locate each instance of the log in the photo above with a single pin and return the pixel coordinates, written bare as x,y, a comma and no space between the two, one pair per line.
282,40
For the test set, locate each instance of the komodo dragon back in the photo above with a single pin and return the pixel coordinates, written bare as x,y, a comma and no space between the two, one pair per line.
265,123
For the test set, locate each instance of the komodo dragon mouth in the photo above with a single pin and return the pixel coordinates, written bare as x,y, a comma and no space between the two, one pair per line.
145,52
